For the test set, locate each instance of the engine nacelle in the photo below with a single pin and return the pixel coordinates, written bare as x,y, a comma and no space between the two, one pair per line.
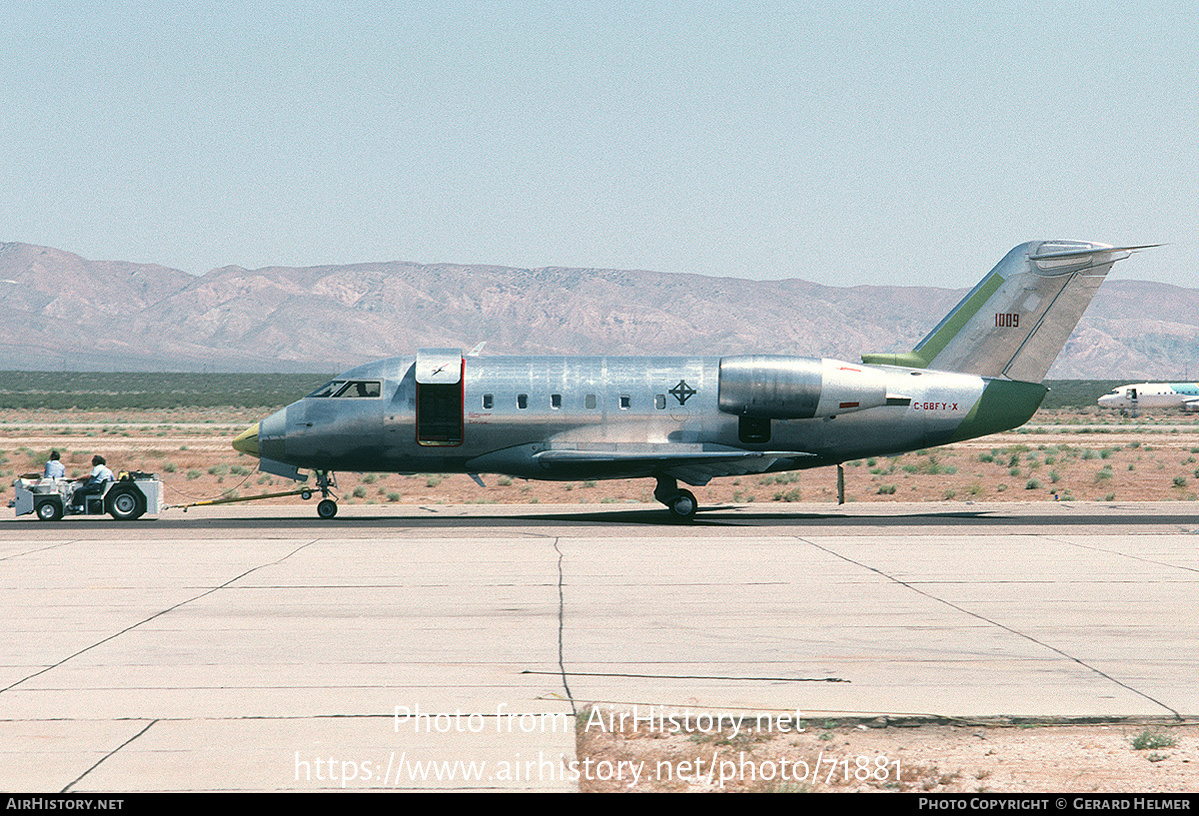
768,387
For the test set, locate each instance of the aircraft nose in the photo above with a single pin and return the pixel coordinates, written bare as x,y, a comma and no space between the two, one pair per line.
247,440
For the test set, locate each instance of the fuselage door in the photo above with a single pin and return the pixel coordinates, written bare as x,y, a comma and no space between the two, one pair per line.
439,396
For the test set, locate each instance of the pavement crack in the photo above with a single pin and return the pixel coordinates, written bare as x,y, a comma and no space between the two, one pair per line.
1140,558
561,622
39,549
106,756
157,614
995,623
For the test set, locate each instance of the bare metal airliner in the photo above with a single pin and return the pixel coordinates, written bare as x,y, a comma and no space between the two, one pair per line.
691,419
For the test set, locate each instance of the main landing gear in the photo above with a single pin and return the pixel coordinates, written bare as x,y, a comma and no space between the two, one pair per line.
326,508
681,503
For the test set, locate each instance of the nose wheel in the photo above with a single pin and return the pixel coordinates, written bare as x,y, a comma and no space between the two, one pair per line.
326,508
681,503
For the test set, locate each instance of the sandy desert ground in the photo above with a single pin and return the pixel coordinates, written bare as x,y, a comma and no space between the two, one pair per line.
1063,455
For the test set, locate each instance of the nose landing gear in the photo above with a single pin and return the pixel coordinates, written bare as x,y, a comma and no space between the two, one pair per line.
326,508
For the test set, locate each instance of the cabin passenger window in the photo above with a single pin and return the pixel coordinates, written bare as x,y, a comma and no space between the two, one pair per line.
625,402
660,402
555,401
522,401
590,402
488,401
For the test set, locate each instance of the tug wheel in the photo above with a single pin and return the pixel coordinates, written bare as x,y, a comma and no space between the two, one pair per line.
49,511
126,504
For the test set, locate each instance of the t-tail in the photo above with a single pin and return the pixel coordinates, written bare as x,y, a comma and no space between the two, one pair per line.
1016,321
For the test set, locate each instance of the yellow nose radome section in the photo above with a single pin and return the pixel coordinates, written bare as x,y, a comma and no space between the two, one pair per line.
247,440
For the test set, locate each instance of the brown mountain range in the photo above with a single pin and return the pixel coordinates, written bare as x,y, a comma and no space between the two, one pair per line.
61,311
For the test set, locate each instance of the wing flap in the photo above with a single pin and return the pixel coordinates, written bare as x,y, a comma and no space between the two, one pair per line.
695,465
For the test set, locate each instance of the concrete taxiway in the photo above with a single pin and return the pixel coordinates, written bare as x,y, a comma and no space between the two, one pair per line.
258,648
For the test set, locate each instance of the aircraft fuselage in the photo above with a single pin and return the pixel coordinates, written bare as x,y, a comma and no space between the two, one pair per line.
590,417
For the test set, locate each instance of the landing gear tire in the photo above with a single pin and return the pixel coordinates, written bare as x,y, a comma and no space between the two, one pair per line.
681,503
326,509
126,505
49,511
683,506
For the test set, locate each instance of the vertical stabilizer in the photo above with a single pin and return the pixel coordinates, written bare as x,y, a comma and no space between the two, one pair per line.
1014,323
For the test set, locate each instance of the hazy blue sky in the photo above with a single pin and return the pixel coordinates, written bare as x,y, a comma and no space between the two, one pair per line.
844,142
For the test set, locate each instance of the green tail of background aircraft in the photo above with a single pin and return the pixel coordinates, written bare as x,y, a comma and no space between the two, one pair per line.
691,419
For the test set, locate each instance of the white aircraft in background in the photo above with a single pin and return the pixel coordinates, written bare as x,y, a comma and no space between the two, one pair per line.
1184,395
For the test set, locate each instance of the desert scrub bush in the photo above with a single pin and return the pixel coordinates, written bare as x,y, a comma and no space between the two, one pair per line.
1153,739
886,490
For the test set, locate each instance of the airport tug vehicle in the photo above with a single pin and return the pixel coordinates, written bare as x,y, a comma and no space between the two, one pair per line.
129,497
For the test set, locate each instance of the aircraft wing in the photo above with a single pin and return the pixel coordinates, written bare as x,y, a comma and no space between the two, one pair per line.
694,464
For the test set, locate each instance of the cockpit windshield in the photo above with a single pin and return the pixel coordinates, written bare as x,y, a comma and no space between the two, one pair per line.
348,388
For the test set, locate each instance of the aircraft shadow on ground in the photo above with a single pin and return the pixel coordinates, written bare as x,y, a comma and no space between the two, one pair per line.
708,517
